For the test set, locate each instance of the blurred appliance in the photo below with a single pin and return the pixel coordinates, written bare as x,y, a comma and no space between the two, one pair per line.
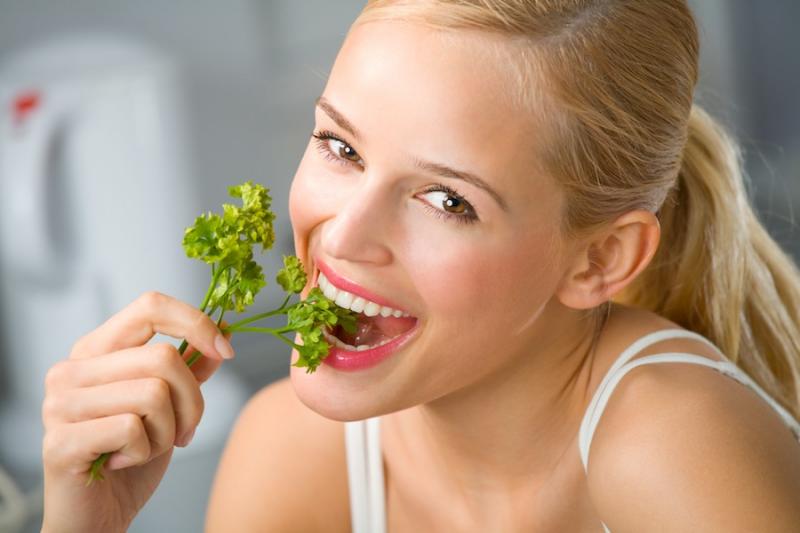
95,192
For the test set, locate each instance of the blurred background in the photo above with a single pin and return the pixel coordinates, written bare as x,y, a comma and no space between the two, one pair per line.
121,121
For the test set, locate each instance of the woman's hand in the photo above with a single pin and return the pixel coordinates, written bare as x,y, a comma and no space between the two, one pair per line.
116,394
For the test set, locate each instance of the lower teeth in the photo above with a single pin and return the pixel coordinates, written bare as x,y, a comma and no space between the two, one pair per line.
339,344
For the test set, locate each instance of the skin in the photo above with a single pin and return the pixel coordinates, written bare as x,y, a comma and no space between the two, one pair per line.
463,392
479,423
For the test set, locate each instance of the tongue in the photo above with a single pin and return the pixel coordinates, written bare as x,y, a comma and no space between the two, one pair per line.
376,329
392,326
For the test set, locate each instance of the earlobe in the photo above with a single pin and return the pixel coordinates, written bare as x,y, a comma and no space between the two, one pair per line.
610,260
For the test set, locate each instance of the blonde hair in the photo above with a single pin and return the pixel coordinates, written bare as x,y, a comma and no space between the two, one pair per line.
613,84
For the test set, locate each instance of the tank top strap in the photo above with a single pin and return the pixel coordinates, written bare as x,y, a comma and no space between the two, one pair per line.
598,403
622,366
651,338
729,369
365,476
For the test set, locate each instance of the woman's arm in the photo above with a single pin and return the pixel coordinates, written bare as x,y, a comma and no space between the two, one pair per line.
283,469
685,448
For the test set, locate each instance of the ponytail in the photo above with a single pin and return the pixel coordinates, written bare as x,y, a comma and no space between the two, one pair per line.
719,273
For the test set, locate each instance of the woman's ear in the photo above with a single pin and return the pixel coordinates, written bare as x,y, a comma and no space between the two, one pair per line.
609,260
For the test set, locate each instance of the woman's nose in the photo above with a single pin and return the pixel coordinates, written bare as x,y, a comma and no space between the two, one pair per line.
359,231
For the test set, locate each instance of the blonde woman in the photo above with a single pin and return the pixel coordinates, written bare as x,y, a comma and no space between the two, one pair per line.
599,335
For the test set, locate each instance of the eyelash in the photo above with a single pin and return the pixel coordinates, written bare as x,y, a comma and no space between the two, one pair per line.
470,217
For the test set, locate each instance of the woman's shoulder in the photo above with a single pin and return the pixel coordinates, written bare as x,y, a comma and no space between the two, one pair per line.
689,448
283,469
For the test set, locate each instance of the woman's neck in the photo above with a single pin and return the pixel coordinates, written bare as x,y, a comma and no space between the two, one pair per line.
509,432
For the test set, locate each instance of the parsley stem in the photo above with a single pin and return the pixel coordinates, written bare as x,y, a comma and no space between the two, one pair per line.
185,344
238,325
273,332
214,277
258,330
193,359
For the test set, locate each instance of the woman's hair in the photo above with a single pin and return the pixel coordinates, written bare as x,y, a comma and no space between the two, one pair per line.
612,82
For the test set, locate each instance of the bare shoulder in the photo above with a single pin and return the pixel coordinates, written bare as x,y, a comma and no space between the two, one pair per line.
682,447
283,469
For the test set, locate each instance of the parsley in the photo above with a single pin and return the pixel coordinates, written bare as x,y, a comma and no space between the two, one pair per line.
226,242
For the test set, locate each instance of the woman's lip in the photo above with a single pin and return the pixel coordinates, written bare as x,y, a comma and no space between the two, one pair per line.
346,360
351,286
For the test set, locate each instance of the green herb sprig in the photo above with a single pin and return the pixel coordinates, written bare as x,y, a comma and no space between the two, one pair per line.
226,243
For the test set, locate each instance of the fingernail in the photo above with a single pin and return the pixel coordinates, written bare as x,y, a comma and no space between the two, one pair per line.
223,347
186,439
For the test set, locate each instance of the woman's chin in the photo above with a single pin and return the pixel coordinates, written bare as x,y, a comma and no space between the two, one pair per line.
327,396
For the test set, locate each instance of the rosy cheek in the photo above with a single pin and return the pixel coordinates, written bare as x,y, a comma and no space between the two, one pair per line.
489,282
449,278
304,211
525,273
300,210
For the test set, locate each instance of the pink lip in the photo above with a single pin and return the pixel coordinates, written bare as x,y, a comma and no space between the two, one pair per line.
351,286
346,360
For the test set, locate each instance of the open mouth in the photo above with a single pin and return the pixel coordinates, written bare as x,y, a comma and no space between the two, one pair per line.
376,324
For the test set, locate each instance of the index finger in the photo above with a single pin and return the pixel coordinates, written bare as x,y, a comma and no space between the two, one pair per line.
149,314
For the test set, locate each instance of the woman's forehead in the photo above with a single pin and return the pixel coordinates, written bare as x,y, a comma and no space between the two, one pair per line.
447,74
434,95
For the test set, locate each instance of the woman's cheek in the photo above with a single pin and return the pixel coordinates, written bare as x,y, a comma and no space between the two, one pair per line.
301,204
485,281
318,191
448,272
309,206
299,216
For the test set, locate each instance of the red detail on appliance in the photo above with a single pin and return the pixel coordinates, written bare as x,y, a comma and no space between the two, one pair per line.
24,104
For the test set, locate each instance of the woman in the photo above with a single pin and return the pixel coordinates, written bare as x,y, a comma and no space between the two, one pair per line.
530,182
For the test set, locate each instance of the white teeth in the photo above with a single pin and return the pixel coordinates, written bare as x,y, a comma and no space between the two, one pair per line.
355,303
344,299
358,304
330,291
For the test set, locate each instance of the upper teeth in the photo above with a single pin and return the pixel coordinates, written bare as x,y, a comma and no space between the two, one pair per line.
355,303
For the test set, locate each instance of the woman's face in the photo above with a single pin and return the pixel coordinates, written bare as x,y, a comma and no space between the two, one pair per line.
418,185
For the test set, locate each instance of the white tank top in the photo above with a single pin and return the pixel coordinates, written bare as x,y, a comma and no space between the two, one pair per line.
362,438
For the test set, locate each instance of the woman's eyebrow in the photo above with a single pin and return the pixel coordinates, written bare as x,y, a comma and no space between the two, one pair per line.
447,172
337,117
434,168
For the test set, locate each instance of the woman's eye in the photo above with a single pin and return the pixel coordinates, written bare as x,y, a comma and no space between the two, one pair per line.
448,202
335,148
445,202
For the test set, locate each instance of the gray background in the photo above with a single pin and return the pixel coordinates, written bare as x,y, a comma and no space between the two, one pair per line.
253,69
